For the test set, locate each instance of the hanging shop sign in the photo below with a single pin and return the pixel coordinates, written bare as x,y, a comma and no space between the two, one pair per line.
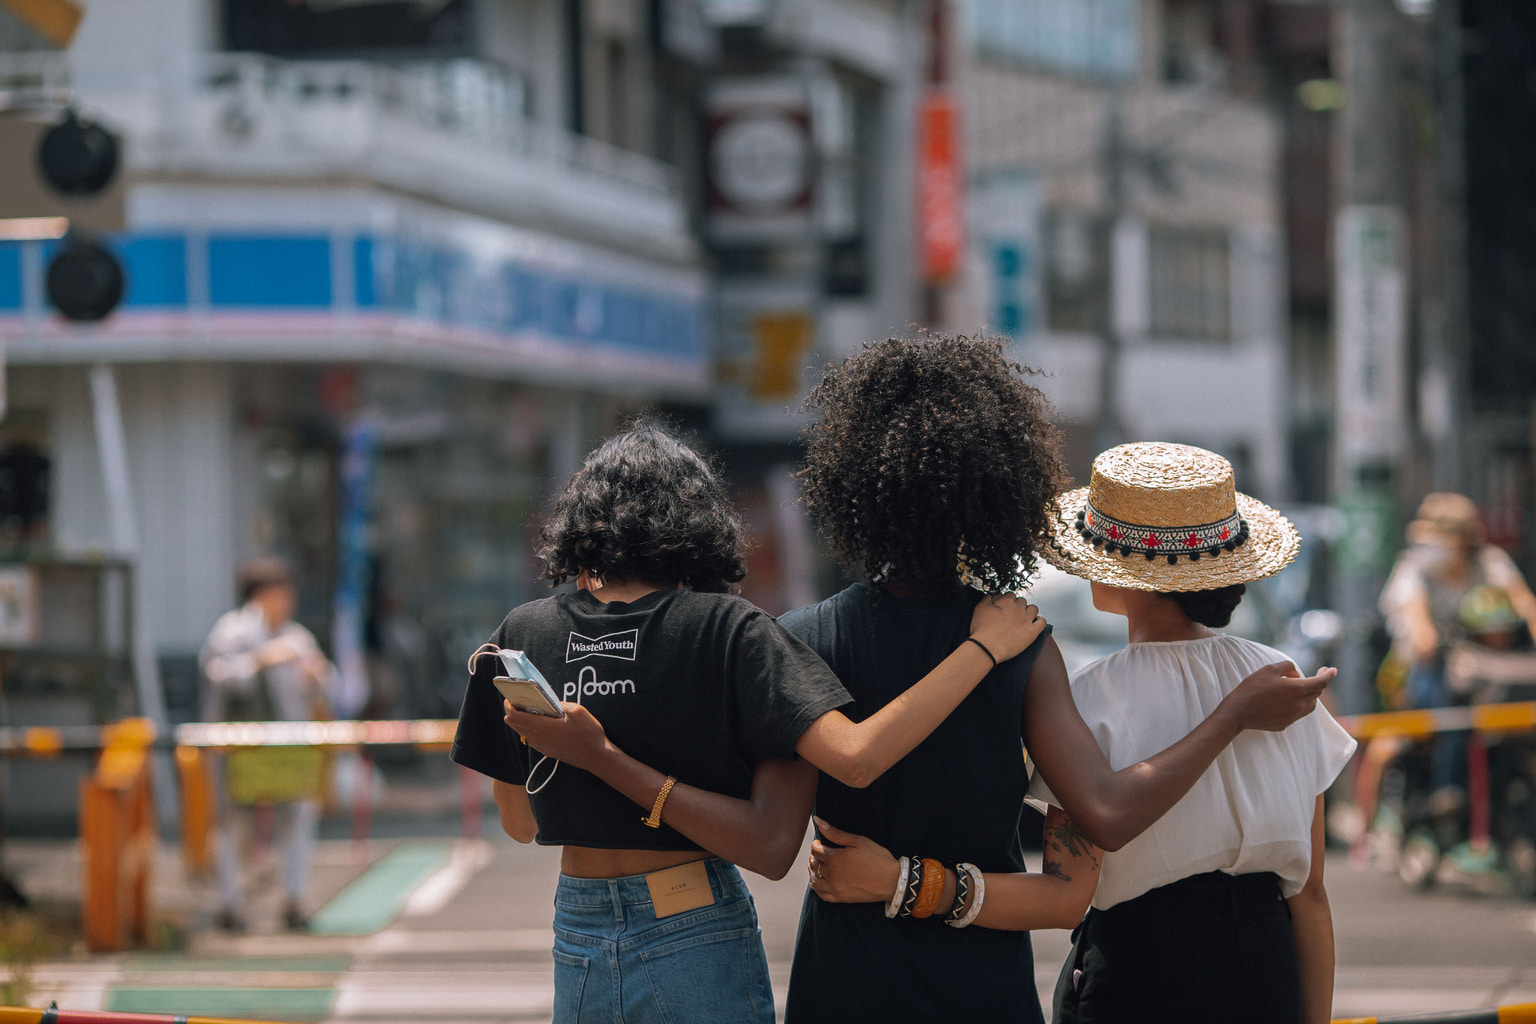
940,187
760,160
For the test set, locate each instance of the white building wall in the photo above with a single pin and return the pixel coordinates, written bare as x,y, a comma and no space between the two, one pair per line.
180,425
1220,154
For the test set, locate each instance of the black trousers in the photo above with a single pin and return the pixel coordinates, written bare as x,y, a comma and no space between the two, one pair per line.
1208,948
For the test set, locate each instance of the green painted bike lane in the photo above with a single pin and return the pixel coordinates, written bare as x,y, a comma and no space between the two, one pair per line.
299,987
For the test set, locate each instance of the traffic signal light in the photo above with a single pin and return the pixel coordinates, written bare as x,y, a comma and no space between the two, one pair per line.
78,159
63,182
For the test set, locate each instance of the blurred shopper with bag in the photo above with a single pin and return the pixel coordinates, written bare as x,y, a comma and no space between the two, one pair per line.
258,665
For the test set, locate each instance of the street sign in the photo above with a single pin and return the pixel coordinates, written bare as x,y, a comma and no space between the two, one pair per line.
1372,336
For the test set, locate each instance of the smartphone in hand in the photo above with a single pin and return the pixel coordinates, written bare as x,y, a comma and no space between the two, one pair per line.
524,686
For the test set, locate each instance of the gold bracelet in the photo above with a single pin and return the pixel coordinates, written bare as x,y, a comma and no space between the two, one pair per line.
654,821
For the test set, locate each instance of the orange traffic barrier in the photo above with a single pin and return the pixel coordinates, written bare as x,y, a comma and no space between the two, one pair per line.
197,809
117,839
54,1015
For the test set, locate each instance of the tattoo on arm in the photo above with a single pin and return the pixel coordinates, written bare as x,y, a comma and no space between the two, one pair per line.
1067,835
1053,867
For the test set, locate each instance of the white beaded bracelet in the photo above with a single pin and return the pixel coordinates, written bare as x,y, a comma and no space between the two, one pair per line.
894,907
978,893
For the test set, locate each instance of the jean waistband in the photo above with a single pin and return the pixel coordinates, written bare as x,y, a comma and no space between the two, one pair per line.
631,890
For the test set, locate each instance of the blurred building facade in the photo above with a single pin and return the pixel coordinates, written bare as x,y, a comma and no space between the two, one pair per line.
1127,223
392,268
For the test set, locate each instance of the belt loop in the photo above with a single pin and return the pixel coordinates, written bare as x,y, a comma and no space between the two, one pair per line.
618,901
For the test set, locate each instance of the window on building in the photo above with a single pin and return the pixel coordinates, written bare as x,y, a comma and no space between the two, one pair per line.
1190,281
1077,271
25,482
1189,43
1099,38
307,28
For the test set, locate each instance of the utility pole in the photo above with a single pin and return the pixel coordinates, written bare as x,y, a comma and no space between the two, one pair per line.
1444,396
1370,327
1108,430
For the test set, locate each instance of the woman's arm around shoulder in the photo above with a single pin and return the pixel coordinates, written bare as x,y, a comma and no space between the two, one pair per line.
1113,807
857,753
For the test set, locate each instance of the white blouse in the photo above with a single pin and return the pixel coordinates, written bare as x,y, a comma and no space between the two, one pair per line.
1252,809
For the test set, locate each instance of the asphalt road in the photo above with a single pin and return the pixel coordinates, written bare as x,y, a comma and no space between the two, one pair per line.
470,942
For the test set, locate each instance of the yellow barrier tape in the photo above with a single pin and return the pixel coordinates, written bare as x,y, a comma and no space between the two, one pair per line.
1504,717
42,740
1514,717
1390,723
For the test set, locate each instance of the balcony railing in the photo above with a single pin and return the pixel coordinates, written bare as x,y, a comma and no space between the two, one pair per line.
248,113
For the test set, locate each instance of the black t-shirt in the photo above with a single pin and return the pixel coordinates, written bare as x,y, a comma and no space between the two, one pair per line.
698,686
957,797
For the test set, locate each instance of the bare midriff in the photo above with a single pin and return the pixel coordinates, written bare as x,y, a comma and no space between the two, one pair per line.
590,862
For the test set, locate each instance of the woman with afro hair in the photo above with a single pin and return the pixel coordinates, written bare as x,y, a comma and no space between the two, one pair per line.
931,466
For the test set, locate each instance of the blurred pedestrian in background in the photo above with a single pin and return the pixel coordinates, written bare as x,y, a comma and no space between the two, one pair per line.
259,665
1447,559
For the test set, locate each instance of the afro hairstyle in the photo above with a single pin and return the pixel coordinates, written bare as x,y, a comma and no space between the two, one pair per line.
932,459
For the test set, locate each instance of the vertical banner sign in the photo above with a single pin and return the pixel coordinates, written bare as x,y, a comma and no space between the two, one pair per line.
1372,339
940,187
1005,231
358,457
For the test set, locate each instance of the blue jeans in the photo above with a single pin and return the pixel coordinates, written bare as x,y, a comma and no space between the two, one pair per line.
1448,759
616,963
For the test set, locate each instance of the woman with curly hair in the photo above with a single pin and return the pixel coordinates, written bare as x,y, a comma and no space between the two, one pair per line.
648,925
926,453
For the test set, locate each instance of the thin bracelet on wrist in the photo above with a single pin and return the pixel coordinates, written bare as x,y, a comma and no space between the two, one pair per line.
978,643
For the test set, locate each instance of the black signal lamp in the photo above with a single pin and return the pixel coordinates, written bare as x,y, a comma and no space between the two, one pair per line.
77,157
85,281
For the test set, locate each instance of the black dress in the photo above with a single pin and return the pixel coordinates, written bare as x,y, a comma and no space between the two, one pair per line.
957,797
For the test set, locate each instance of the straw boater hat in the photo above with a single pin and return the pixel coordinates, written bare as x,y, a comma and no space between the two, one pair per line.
1166,518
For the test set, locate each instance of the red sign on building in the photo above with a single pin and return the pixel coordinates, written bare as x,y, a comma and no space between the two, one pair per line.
940,187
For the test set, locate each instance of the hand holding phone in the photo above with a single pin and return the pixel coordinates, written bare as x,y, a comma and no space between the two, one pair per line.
524,686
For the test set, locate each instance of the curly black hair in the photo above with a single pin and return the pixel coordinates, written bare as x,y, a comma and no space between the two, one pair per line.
1212,607
928,449
645,506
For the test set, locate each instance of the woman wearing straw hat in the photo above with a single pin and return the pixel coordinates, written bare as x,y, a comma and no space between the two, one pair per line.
1188,916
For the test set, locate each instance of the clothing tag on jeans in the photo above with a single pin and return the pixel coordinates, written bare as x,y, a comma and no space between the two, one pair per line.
685,887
